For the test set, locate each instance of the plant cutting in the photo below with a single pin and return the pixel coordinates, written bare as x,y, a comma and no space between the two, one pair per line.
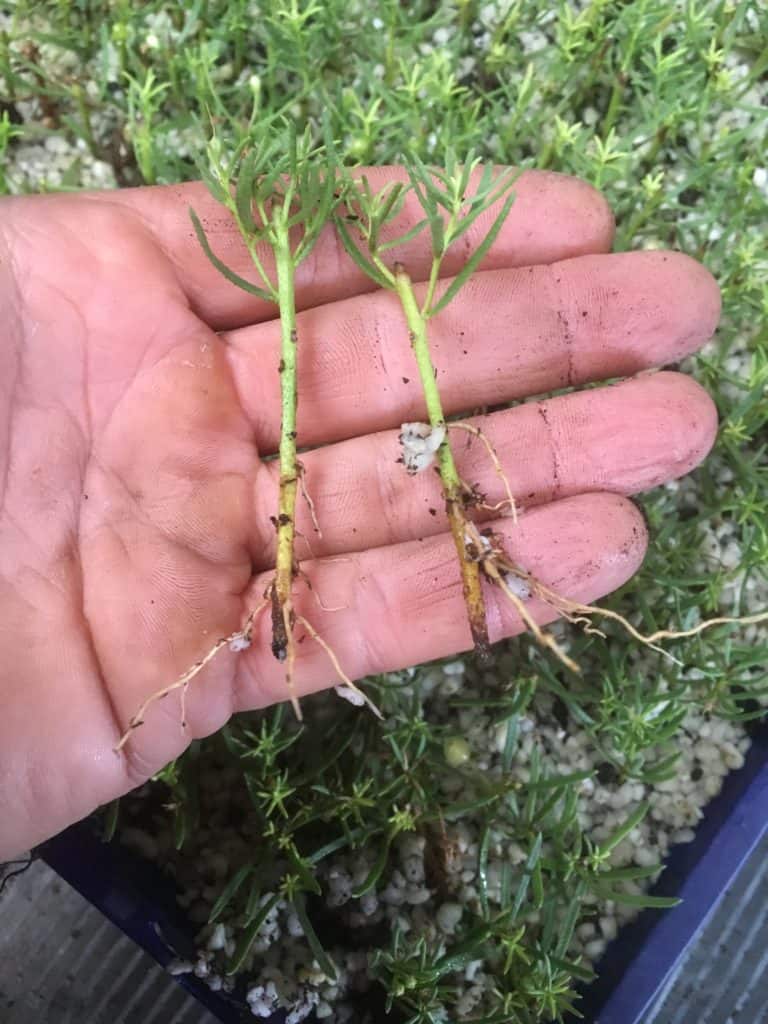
452,203
280,192
450,214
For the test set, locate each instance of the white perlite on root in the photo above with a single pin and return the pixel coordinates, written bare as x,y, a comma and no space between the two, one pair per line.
420,442
351,694
239,642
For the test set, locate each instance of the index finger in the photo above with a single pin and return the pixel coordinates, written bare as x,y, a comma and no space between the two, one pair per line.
553,217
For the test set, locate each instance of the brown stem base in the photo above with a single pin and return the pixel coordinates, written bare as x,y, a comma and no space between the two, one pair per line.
471,579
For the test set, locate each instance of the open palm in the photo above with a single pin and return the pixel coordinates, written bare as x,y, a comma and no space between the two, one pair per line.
139,398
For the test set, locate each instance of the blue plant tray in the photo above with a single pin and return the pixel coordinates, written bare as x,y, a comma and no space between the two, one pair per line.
634,970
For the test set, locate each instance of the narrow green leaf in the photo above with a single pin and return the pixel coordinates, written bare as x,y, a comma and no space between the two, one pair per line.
302,868
269,185
560,781
548,805
570,808
331,156
354,252
329,198
334,845
429,197
110,821
376,871
506,883
404,238
234,746
548,923
529,810
292,146
244,191
467,221
425,199
472,263
367,198
429,176
667,764
187,801
388,209
231,276
252,905
510,742
466,173
624,829
325,962
213,184
482,869
237,154
485,184
530,863
445,175
569,967
455,810
537,885
229,892
638,899
437,230
459,955
253,784
568,923
248,937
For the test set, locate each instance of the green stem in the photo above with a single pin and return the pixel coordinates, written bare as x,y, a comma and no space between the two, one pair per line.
639,218
437,259
6,67
85,119
433,278
453,490
252,247
614,104
545,156
289,470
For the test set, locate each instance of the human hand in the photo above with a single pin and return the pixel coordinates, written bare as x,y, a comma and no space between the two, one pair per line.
139,394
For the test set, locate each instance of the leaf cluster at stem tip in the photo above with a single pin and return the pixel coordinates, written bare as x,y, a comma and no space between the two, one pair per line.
451,204
280,189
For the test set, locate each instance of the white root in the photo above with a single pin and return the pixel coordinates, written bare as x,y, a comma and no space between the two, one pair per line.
509,501
237,641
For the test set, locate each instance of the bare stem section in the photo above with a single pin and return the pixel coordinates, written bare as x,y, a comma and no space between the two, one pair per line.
281,589
454,492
